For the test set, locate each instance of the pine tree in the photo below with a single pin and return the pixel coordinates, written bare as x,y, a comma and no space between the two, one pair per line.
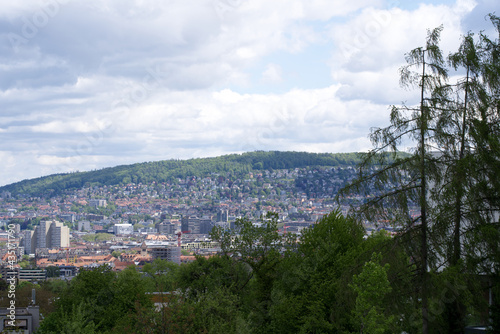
400,181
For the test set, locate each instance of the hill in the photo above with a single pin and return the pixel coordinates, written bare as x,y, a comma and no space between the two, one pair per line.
236,165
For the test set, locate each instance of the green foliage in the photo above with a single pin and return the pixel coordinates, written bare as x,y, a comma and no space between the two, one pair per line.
97,237
309,295
45,296
450,177
371,287
217,312
25,264
171,170
207,275
77,321
52,271
160,276
116,253
96,300
174,316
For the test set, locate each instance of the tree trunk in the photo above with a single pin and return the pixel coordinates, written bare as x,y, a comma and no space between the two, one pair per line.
423,206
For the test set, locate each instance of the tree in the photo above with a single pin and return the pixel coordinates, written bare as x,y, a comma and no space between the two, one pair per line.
400,182
311,291
261,248
452,186
466,190
97,297
371,287
52,271
450,175
160,276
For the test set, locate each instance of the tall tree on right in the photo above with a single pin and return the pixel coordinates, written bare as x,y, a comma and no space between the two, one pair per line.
467,189
397,184
451,174
483,236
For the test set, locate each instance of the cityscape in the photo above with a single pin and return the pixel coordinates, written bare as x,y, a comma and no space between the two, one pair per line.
157,213
167,167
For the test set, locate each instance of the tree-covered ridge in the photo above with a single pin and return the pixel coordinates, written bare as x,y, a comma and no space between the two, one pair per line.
171,170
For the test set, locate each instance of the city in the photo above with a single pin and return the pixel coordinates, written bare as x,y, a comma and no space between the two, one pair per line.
70,230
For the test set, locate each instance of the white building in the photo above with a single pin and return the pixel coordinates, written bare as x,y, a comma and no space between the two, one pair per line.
50,234
120,229
84,225
98,203
59,235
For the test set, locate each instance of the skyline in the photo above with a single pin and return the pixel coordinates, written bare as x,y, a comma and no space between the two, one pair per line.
88,84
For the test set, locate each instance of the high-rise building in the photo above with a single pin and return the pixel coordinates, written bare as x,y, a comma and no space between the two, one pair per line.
59,235
222,215
166,228
50,234
42,234
29,241
196,225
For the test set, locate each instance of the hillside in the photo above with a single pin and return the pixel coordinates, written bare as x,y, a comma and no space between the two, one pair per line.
170,170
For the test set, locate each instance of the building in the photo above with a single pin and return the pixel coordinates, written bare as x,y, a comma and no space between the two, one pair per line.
121,229
28,241
42,234
98,203
27,320
222,215
69,217
196,225
32,275
84,225
147,230
59,235
49,234
6,272
169,253
166,228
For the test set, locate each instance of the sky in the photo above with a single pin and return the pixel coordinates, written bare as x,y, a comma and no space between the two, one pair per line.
88,84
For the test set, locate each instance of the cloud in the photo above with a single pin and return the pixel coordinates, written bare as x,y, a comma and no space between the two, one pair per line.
372,45
272,74
90,84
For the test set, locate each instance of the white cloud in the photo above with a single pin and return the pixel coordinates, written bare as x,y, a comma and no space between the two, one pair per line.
272,74
104,83
372,45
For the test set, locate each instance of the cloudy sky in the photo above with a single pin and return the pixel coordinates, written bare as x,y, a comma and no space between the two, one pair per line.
87,84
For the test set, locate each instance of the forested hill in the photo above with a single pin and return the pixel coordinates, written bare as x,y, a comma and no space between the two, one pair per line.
236,165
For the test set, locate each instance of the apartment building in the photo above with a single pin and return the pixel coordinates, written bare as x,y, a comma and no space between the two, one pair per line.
123,229
49,234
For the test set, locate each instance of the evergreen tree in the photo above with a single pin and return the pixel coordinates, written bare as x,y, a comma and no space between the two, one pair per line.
400,182
451,176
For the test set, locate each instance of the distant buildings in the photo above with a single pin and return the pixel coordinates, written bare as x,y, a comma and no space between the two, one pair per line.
27,320
166,228
84,225
196,225
122,229
68,217
164,252
49,234
28,241
95,203
222,215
